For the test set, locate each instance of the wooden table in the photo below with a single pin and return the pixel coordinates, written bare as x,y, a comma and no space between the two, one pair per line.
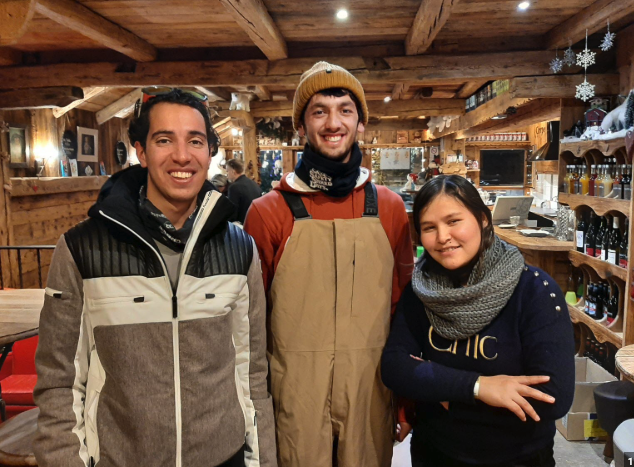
19,319
19,314
546,253
625,362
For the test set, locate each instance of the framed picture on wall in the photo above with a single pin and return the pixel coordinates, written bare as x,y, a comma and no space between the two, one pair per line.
19,148
87,144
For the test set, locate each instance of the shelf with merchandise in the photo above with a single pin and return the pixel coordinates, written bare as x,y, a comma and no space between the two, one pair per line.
601,332
600,206
603,269
607,147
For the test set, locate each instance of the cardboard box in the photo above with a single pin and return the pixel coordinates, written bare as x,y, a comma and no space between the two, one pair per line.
581,422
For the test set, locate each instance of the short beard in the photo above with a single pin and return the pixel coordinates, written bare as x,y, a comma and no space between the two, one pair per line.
335,159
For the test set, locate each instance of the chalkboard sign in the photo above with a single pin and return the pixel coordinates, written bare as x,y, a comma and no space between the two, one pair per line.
121,153
69,144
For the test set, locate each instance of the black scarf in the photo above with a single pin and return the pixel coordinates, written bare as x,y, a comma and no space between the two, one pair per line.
159,226
336,179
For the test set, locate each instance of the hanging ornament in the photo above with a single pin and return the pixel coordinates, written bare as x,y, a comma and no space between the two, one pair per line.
608,40
586,57
585,91
557,64
569,56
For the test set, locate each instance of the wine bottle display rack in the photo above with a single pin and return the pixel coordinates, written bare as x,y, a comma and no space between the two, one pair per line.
584,201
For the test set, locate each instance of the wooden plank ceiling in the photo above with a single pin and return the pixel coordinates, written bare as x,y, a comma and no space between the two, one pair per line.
449,48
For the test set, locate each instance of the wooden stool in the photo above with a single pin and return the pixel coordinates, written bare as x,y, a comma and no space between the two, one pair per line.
16,440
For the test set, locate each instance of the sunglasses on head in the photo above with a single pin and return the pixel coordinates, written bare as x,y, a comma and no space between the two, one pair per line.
153,91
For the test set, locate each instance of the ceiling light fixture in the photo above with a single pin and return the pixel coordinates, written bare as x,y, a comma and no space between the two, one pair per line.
499,117
342,14
524,5
387,99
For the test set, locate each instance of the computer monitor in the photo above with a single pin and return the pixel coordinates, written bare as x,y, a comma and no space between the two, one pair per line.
507,206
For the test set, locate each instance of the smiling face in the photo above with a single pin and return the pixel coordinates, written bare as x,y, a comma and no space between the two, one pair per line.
450,233
177,157
331,125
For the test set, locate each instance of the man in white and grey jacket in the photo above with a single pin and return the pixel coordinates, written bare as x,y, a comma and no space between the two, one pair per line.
152,337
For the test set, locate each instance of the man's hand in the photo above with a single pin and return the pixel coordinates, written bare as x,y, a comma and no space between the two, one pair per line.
510,392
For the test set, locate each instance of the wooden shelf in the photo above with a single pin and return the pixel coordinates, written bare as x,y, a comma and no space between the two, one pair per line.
607,147
601,332
599,205
604,269
473,170
518,144
37,186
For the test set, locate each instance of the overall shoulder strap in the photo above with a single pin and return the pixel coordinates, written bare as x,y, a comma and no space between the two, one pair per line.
371,208
296,205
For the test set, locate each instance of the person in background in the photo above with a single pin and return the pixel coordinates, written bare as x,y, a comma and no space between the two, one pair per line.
221,183
152,346
480,341
242,190
336,253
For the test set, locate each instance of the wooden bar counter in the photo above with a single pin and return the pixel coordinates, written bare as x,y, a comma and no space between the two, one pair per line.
546,253
625,362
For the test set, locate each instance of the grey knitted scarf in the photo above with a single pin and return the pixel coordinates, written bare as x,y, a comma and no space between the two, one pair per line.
458,313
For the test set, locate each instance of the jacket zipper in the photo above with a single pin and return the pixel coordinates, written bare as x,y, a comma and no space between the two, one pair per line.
175,346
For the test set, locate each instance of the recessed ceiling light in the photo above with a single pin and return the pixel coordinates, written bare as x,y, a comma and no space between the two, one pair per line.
342,14
234,131
499,117
387,99
524,5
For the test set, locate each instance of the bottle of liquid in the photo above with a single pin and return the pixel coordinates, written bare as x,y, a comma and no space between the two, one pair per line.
607,183
587,347
579,282
566,188
574,177
584,180
614,243
624,247
581,233
628,183
590,299
616,182
598,243
591,235
593,179
623,181
613,306
599,182
606,239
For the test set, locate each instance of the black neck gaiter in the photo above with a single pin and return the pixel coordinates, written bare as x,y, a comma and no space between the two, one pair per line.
159,226
336,179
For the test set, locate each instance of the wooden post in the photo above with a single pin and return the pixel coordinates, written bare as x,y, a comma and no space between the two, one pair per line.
4,198
288,160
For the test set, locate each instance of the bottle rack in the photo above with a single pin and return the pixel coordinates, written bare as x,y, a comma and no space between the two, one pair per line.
619,332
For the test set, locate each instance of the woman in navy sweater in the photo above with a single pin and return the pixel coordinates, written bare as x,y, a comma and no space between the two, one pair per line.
481,342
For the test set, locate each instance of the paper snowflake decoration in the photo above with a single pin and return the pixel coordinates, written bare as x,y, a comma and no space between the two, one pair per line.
556,65
586,58
569,57
585,91
608,40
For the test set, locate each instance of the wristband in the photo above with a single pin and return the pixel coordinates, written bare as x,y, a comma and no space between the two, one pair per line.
476,388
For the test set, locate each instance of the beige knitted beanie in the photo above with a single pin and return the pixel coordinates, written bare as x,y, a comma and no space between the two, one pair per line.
322,76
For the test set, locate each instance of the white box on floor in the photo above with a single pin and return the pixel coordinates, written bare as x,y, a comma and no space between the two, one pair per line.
581,423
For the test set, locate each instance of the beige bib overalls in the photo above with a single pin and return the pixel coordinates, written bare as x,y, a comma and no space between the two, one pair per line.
330,319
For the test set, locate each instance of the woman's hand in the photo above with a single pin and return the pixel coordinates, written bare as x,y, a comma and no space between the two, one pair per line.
510,392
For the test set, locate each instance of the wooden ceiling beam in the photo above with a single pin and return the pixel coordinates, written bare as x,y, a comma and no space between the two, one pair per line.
470,88
117,106
263,93
561,86
221,122
79,18
484,113
40,97
536,111
406,108
215,94
593,18
15,17
415,70
256,21
430,19
399,90
89,93
10,57
387,125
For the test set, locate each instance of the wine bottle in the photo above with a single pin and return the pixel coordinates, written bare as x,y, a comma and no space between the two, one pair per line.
598,243
591,236
614,243
581,233
624,247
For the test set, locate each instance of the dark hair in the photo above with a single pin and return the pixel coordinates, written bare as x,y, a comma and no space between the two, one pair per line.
464,192
337,92
236,165
140,124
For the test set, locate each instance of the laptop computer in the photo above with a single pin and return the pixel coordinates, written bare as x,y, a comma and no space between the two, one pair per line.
507,206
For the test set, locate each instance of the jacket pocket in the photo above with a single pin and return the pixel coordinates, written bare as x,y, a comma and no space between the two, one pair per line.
56,293
218,303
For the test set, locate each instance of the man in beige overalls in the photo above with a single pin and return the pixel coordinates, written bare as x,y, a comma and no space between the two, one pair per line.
336,253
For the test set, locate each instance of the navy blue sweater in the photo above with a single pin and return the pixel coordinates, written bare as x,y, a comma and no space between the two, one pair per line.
529,337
